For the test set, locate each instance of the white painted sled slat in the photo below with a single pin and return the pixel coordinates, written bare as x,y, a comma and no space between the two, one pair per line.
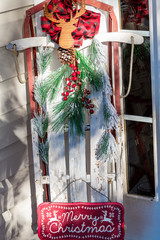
98,171
22,44
57,161
57,168
77,168
37,168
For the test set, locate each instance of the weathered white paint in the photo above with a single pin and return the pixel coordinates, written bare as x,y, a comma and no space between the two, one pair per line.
103,37
37,168
98,170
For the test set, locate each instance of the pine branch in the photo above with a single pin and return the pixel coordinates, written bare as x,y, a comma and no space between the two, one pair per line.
44,58
43,151
40,124
90,72
71,112
48,88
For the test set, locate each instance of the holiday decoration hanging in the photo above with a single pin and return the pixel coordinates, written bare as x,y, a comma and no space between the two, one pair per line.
58,15
76,98
81,221
67,27
40,119
66,56
107,146
77,72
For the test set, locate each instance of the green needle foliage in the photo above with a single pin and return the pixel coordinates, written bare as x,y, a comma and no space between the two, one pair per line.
71,112
44,59
49,87
41,124
102,150
89,72
43,151
106,113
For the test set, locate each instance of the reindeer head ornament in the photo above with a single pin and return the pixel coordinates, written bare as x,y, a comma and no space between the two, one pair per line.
66,40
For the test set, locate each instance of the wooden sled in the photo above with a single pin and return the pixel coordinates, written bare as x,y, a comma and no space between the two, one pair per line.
74,165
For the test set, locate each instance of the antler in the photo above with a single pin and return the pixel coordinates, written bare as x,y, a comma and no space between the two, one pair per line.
82,10
49,15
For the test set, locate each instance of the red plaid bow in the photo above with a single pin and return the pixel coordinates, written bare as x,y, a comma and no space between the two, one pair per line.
87,25
142,9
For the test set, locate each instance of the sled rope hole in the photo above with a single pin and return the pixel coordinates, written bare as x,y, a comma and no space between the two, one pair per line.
17,65
76,180
131,69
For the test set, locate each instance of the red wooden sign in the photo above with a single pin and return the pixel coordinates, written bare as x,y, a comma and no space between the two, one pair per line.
62,221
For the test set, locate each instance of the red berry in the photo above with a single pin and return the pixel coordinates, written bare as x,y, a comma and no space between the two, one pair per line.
73,74
63,94
82,99
66,88
65,98
75,78
79,83
71,90
78,72
74,85
74,68
89,101
66,78
87,106
91,105
69,83
88,92
91,111
71,65
72,78
85,91
67,93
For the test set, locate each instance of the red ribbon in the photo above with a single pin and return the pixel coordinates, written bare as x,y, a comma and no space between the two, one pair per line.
87,25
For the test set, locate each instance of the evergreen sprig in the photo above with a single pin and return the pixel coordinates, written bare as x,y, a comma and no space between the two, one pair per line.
41,124
70,112
44,58
90,72
43,151
102,148
49,87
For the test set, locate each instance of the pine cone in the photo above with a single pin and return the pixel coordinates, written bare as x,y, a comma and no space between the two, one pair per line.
66,56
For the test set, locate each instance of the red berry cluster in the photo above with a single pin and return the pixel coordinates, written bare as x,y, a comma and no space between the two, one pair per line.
71,82
86,102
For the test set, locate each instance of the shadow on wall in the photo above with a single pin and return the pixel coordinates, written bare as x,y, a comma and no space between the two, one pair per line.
17,194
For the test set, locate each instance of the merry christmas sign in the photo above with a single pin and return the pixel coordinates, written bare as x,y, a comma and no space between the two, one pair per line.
90,221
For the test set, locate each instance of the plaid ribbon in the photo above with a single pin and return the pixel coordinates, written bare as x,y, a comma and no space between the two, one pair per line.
142,9
138,9
87,25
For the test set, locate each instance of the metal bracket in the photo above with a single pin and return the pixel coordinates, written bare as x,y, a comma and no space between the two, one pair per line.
45,180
